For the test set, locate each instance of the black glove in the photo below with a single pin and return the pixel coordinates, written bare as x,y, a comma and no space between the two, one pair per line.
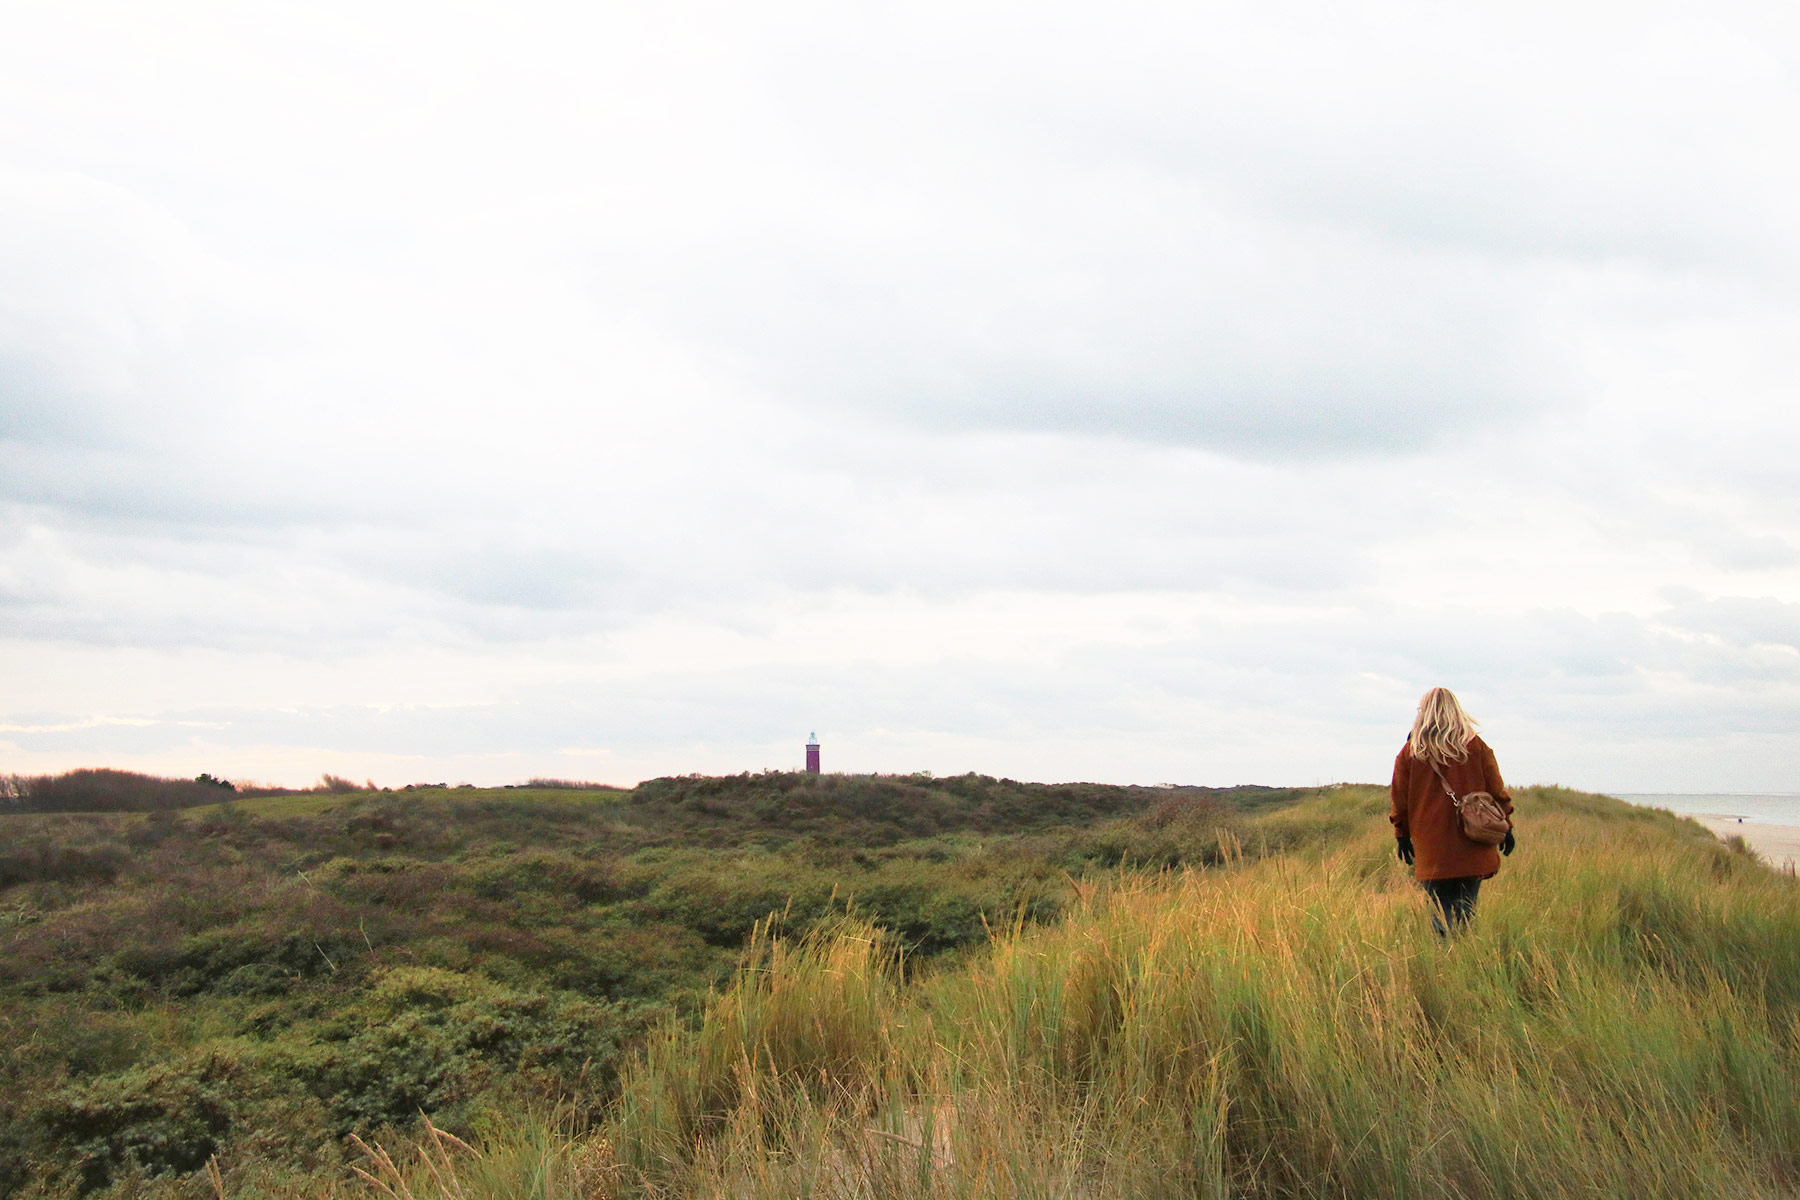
1507,845
1403,847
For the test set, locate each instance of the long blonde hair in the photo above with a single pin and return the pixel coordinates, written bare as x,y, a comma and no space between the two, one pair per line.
1442,731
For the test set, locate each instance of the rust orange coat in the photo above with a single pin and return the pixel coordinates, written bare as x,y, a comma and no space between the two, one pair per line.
1424,813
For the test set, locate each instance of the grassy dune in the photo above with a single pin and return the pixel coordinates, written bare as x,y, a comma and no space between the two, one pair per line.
1267,1015
1622,1020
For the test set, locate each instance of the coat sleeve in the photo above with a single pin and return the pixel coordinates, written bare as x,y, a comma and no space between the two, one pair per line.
1491,781
1398,812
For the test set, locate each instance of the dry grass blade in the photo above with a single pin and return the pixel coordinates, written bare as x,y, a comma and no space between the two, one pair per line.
444,1135
388,1178
368,1178
443,1169
898,1137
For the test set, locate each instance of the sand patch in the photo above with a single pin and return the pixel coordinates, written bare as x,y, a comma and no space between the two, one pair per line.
1779,845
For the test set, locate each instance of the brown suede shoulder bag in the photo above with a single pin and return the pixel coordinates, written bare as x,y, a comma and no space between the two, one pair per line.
1478,814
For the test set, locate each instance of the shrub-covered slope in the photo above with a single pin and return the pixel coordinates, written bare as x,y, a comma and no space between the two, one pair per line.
261,978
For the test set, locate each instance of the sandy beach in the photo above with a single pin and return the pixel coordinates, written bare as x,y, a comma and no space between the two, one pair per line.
1779,845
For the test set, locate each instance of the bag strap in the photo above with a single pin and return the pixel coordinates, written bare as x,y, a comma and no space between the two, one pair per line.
1455,800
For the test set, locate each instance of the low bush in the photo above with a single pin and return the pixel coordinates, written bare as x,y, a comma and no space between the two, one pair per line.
160,1118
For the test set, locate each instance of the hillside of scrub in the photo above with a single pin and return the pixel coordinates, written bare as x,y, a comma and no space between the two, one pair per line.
263,978
1621,1020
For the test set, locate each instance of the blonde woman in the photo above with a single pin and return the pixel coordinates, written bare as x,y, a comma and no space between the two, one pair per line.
1444,754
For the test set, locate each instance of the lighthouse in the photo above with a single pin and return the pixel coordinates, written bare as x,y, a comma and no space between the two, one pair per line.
812,754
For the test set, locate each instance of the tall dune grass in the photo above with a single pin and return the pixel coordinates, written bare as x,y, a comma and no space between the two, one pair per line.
1621,1019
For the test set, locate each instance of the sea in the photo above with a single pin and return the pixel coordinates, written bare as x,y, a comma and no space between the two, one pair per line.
1769,808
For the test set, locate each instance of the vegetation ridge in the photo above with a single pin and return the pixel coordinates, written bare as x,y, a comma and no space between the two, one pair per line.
261,977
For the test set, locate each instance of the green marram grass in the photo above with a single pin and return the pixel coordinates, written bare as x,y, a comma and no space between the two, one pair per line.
1623,1019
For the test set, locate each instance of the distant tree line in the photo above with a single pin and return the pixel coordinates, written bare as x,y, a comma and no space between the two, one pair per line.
105,790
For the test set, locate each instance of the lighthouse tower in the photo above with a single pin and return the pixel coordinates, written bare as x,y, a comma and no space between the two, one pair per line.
812,754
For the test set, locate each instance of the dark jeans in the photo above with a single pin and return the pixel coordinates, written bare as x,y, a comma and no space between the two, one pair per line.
1452,902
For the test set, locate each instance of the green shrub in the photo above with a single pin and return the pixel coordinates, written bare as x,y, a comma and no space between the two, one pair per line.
160,1118
423,1039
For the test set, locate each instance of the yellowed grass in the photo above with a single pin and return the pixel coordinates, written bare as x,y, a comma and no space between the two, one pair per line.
1623,1009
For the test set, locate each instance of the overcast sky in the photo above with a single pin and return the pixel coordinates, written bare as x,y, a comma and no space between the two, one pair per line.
1132,392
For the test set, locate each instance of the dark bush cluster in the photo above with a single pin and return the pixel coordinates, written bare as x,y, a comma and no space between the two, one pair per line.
876,810
109,791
